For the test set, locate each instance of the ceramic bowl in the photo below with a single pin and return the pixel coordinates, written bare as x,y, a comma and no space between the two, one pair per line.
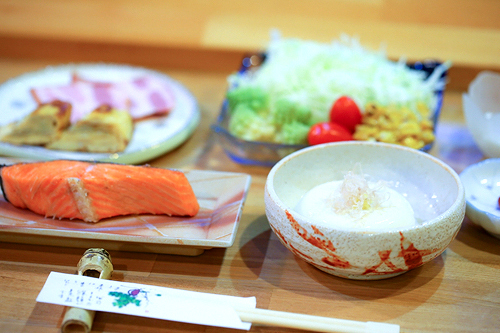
433,189
481,105
482,192
249,152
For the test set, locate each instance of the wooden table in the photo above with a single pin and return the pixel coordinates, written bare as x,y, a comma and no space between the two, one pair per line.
457,292
199,45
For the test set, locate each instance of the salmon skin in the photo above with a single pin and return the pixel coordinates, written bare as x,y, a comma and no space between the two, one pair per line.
94,191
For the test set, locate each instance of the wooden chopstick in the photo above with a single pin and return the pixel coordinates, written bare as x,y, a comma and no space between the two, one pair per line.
312,323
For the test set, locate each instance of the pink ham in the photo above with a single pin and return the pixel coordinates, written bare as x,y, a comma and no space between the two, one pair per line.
84,97
149,96
143,96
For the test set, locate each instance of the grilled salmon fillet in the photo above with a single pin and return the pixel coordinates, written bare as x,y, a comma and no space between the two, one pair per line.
95,191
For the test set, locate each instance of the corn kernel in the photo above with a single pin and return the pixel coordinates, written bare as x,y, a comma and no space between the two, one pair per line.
412,142
409,128
426,124
396,117
371,121
364,132
395,124
423,109
386,136
427,136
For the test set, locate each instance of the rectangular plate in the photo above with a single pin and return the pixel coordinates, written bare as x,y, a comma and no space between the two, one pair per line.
221,196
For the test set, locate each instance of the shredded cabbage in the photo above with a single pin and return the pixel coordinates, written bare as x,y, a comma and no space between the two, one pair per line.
313,75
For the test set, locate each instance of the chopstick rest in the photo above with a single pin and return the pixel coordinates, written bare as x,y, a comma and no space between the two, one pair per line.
127,298
94,263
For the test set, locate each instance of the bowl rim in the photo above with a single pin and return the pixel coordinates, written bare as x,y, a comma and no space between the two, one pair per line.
477,166
455,206
480,164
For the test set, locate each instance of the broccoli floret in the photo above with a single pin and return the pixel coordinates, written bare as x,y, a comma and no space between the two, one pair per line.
293,133
286,112
255,98
253,119
249,125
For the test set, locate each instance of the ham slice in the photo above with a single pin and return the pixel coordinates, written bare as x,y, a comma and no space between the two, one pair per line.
142,96
84,97
149,96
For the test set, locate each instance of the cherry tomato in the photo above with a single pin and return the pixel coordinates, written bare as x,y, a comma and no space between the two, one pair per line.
346,113
327,132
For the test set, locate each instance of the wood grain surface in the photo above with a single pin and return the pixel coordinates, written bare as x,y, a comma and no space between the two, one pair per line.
199,43
212,35
457,292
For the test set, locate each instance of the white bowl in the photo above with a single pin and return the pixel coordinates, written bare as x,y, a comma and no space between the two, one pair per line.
482,192
481,107
433,189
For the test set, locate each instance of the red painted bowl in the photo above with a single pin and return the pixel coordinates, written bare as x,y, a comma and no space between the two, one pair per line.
432,188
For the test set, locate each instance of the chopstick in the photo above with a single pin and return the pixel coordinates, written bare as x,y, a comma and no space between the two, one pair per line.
312,323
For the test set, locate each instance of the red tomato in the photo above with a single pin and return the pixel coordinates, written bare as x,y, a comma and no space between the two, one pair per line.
327,132
346,113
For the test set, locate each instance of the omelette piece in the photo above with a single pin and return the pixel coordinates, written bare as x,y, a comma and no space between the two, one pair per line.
40,127
104,130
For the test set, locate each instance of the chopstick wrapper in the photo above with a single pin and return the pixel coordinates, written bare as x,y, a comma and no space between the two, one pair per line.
145,300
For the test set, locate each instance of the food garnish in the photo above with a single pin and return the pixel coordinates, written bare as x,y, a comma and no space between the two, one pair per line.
252,120
346,112
355,202
297,84
356,197
327,132
396,125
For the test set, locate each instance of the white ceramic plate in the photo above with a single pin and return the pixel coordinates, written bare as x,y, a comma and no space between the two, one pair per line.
152,137
482,190
221,196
